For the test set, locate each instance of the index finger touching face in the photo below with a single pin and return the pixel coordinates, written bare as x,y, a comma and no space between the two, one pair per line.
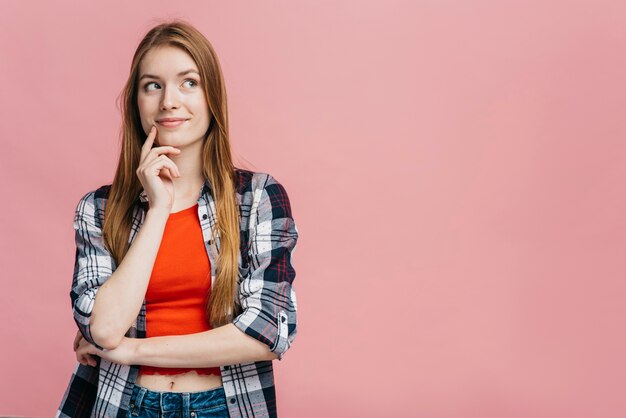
147,145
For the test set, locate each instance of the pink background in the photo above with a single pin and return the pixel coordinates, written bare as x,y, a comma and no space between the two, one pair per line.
456,171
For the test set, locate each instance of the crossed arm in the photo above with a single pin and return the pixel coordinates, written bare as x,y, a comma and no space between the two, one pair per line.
263,331
214,348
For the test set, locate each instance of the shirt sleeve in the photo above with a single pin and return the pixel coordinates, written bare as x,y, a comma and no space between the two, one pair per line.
93,263
267,295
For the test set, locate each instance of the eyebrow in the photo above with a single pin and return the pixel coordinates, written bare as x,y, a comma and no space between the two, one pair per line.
191,70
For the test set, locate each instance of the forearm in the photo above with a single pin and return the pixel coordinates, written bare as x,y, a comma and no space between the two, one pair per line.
220,346
119,299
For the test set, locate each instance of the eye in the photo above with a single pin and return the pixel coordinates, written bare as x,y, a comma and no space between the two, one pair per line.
145,86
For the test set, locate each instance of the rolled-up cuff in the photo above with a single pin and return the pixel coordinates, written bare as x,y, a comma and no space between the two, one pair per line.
272,333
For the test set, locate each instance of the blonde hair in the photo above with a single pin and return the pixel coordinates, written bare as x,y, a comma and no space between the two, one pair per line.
217,164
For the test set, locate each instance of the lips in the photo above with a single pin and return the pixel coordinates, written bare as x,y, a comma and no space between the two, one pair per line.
171,122
170,119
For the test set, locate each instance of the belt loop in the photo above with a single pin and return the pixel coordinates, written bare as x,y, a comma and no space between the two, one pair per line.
137,405
186,403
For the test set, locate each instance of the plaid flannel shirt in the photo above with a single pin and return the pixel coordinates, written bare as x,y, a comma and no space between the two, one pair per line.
268,300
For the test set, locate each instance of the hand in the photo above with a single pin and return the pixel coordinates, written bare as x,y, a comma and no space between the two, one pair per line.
86,359
156,171
124,353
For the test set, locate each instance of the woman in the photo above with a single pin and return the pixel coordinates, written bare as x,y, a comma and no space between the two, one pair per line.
188,318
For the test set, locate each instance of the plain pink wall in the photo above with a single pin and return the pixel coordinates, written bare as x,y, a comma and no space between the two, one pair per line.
456,171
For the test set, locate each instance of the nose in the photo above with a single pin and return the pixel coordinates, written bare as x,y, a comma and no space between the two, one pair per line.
169,99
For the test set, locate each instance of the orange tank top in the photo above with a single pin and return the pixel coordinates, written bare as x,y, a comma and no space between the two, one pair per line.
179,285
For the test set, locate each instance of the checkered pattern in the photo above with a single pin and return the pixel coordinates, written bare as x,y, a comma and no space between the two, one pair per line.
266,294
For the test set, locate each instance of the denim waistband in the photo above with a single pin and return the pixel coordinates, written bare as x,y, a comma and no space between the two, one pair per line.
175,401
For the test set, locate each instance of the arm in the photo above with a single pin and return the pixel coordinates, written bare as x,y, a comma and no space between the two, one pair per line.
105,299
119,300
267,326
93,264
266,294
217,347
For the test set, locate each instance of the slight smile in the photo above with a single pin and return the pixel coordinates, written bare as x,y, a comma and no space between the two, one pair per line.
171,123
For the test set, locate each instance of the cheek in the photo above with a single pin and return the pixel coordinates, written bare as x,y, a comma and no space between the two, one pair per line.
202,112
141,104
147,104
144,114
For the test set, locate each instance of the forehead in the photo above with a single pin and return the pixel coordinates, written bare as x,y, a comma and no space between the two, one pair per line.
166,61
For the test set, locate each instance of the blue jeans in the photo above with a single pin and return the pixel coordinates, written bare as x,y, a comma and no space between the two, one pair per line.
147,403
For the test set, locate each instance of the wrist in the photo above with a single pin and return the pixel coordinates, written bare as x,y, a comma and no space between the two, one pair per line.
133,345
158,212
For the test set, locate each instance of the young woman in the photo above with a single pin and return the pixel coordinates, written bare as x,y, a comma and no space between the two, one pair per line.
182,289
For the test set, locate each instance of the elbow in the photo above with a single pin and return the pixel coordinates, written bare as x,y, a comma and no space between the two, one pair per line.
103,331
276,336
108,343
93,336
104,339
266,352
285,335
282,346
83,307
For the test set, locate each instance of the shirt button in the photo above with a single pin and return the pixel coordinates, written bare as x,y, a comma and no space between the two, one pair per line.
232,400
205,216
283,319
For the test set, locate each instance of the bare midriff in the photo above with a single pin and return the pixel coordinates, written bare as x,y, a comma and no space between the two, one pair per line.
184,382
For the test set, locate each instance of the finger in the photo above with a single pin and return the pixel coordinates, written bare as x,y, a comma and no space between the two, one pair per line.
147,145
77,339
161,150
92,361
163,162
86,350
87,360
81,358
156,152
165,172
172,172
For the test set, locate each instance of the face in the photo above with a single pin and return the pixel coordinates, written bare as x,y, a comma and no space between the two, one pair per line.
169,87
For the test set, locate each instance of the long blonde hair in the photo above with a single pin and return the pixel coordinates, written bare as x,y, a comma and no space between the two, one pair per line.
217,164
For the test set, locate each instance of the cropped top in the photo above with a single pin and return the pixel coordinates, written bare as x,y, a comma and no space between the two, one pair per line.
179,286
